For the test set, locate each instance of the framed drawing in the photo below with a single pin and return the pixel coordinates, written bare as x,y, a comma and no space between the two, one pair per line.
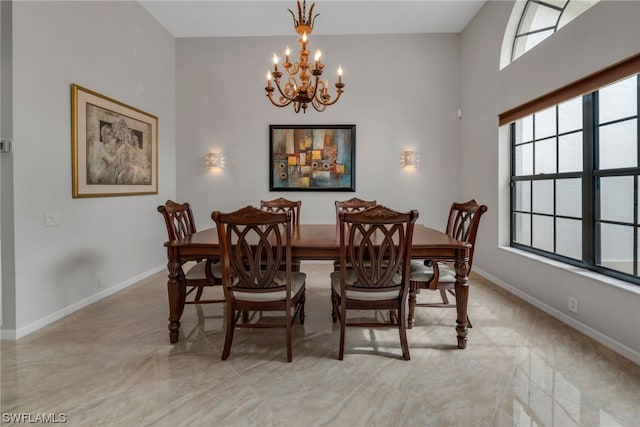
312,158
114,147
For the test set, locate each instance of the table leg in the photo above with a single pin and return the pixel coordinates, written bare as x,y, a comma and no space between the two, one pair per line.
462,298
177,294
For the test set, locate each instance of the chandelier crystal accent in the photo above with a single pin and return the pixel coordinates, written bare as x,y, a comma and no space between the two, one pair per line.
302,84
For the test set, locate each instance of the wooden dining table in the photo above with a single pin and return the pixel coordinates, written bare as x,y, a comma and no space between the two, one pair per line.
319,242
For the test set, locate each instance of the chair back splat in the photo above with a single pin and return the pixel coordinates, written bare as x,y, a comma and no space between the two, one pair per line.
352,205
283,205
375,255
463,223
255,246
178,218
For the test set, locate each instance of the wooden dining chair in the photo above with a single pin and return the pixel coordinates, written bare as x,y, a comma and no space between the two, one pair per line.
247,237
179,221
283,205
376,243
462,224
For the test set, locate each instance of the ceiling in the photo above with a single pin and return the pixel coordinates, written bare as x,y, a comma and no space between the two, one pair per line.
214,18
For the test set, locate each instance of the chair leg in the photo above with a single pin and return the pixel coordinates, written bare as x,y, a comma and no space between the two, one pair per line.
199,293
403,336
413,290
443,295
343,321
303,299
334,306
288,327
231,324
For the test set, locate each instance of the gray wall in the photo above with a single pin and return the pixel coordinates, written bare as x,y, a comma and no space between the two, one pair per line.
7,282
120,51
401,91
609,310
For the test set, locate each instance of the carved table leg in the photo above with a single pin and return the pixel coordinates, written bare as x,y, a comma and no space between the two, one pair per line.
462,298
177,294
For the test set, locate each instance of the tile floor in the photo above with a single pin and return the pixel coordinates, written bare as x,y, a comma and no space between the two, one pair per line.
111,364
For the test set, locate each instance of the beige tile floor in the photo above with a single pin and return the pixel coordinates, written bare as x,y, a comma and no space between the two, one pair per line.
111,364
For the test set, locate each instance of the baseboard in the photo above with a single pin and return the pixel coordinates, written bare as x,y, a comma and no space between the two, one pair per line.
41,323
603,339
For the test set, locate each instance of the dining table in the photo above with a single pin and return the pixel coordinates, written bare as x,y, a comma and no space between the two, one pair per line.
319,242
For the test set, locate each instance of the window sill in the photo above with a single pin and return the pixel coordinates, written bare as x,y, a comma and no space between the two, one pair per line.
601,278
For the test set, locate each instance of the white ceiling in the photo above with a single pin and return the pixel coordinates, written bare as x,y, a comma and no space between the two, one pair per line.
214,18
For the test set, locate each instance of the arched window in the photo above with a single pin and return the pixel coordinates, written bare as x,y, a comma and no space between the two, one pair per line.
537,20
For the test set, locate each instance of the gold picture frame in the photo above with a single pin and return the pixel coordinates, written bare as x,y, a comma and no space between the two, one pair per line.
114,147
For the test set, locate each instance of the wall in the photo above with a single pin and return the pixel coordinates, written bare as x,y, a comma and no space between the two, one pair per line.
7,282
120,51
609,310
401,91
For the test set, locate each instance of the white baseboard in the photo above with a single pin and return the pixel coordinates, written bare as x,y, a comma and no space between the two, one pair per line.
603,339
41,323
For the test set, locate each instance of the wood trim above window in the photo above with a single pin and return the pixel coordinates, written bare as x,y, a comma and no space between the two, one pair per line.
585,85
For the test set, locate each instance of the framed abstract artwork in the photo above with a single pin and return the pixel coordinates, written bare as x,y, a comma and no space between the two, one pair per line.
312,157
114,147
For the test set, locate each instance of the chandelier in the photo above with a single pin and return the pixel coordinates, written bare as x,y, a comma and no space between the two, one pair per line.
302,85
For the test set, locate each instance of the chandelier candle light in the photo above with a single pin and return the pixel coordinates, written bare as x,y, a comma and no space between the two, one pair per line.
307,87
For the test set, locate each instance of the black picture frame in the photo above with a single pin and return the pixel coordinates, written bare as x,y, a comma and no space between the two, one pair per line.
312,157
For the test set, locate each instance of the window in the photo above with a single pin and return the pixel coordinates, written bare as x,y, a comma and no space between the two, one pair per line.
575,179
540,19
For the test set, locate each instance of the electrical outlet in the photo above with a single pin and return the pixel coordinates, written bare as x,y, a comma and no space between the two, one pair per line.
52,218
573,305
102,280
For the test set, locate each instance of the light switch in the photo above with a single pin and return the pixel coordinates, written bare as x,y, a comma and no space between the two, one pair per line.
52,218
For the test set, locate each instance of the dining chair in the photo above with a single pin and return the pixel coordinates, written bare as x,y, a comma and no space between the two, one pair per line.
178,218
283,205
376,244
462,224
247,237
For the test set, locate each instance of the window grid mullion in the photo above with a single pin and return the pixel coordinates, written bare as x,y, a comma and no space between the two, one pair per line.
533,151
635,225
589,147
635,181
555,183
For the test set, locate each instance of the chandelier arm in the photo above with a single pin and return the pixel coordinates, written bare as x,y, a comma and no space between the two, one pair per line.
284,104
327,103
282,94
317,106
293,69
313,95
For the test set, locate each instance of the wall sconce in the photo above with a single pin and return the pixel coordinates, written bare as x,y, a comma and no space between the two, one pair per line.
409,158
215,160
